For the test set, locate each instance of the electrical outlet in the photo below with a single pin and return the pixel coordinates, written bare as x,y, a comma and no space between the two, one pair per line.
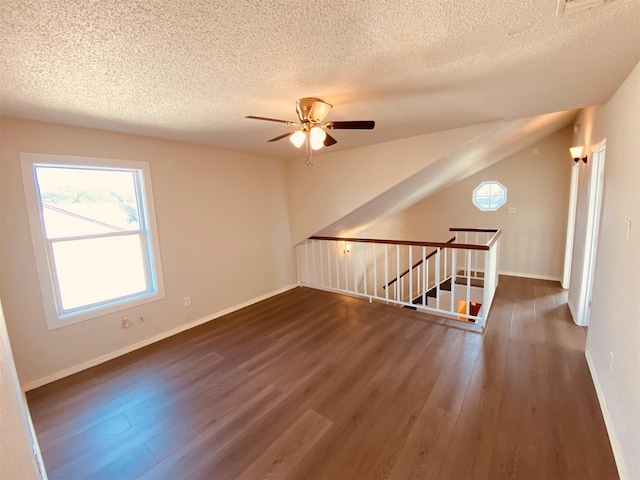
187,301
125,321
512,210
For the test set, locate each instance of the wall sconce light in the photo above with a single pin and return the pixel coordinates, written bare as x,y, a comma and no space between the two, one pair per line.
347,247
576,154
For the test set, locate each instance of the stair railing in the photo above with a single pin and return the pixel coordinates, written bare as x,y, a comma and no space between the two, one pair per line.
417,266
456,280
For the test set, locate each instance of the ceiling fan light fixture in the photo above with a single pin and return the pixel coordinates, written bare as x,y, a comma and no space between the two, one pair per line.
317,136
310,132
297,138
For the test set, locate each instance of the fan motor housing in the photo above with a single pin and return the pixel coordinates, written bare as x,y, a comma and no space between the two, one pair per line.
303,107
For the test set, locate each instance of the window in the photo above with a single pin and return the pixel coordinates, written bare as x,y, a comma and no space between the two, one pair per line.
489,196
93,230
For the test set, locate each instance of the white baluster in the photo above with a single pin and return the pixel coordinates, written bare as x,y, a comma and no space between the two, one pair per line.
329,264
425,285
346,273
444,271
397,271
438,278
321,263
313,261
468,253
375,276
475,266
410,274
365,268
337,255
355,267
453,278
306,258
298,264
386,273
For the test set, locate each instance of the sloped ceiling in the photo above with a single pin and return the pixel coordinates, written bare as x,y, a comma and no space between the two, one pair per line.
192,70
489,147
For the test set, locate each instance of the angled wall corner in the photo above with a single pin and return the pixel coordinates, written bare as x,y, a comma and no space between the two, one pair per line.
533,219
19,451
449,157
613,337
340,182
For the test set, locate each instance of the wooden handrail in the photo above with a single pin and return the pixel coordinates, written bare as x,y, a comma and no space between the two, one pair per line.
497,232
464,246
481,230
448,244
495,238
365,269
417,264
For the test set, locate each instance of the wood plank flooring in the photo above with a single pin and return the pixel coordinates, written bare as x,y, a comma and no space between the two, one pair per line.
311,384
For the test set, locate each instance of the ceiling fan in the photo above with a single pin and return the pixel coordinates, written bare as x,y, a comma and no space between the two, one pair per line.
309,131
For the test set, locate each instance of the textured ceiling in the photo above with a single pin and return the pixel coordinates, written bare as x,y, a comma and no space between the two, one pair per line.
192,70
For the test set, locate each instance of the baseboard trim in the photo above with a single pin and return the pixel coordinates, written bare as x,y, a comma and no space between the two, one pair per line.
615,445
532,275
169,333
573,314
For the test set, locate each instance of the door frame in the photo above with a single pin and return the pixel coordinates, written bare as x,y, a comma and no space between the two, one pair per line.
571,224
595,195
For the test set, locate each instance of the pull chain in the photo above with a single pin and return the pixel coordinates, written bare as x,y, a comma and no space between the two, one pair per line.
307,142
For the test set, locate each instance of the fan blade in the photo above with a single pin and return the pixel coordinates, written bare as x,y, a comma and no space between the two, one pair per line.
270,119
329,140
319,110
355,125
280,137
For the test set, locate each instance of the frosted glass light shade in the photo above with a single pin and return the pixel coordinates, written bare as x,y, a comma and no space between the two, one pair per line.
297,138
576,152
317,136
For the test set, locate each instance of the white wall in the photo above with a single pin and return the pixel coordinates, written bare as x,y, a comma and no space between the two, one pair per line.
17,459
615,316
532,242
340,182
352,190
223,230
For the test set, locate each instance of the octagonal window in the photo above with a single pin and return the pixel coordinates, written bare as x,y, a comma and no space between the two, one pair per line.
489,196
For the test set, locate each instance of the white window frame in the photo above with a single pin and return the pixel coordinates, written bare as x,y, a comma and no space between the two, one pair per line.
484,209
54,314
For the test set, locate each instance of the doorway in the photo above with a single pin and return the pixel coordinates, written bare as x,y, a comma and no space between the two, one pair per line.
571,225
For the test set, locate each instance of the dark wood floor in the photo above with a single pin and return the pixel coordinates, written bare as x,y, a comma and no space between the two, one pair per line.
311,384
